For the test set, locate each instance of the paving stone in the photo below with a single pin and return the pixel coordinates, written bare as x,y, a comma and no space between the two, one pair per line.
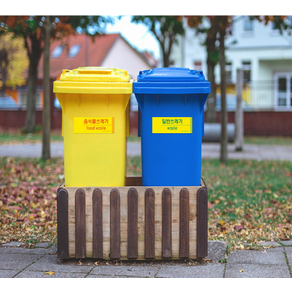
288,251
137,271
16,261
52,263
8,273
21,250
216,250
108,276
274,256
53,249
13,244
256,271
32,274
42,245
272,243
199,271
286,242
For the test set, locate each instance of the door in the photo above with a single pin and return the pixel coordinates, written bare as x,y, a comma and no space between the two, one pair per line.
283,90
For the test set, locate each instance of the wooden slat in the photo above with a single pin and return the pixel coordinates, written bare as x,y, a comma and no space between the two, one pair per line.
132,223
115,224
202,222
62,219
166,223
80,227
184,223
149,224
123,191
134,181
97,244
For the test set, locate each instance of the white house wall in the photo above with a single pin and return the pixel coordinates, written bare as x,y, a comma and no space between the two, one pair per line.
122,56
258,46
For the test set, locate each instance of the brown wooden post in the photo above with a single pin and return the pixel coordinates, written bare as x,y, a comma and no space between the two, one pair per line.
202,222
132,223
149,224
184,244
62,224
115,238
80,227
166,223
97,241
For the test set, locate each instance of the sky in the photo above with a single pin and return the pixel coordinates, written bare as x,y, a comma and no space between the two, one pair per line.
136,34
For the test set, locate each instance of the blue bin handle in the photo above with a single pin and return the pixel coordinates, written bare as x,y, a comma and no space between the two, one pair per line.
139,122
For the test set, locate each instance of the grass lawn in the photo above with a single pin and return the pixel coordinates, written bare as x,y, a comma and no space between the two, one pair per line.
14,136
261,140
249,201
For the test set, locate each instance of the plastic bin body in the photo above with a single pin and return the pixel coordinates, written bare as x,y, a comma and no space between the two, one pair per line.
171,158
94,125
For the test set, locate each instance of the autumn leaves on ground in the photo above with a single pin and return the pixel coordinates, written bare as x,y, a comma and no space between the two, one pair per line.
249,201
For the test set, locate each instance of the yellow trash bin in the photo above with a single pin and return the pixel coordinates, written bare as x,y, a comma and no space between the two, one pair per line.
95,125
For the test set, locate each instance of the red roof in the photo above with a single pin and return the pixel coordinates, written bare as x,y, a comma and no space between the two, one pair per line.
96,52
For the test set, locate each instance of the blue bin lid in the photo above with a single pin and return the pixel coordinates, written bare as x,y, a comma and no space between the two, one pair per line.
171,80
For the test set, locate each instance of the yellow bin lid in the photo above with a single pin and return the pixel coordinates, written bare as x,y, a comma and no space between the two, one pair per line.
94,80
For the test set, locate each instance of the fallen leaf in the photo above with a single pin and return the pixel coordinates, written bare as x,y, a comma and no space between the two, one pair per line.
221,222
240,271
50,273
238,227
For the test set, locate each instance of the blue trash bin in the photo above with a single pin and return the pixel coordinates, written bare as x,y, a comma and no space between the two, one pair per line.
171,103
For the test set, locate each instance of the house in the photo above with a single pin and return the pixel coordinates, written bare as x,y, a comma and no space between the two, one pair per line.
110,50
265,55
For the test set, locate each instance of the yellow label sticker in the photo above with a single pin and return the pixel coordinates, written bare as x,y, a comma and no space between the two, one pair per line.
94,125
174,125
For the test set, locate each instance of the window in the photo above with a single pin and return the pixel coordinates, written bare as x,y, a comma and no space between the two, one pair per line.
23,98
57,52
74,50
198,65
283,90
246,67
247,24
228,69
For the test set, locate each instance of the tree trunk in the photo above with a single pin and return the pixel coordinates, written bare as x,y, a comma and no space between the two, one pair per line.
165,58
211,104
34,57
46,123
239,112
211,52
4,68
223,141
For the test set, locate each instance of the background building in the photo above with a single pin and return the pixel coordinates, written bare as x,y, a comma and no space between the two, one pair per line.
261,51
110,50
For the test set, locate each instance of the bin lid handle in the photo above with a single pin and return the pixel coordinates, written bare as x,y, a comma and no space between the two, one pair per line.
94,71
